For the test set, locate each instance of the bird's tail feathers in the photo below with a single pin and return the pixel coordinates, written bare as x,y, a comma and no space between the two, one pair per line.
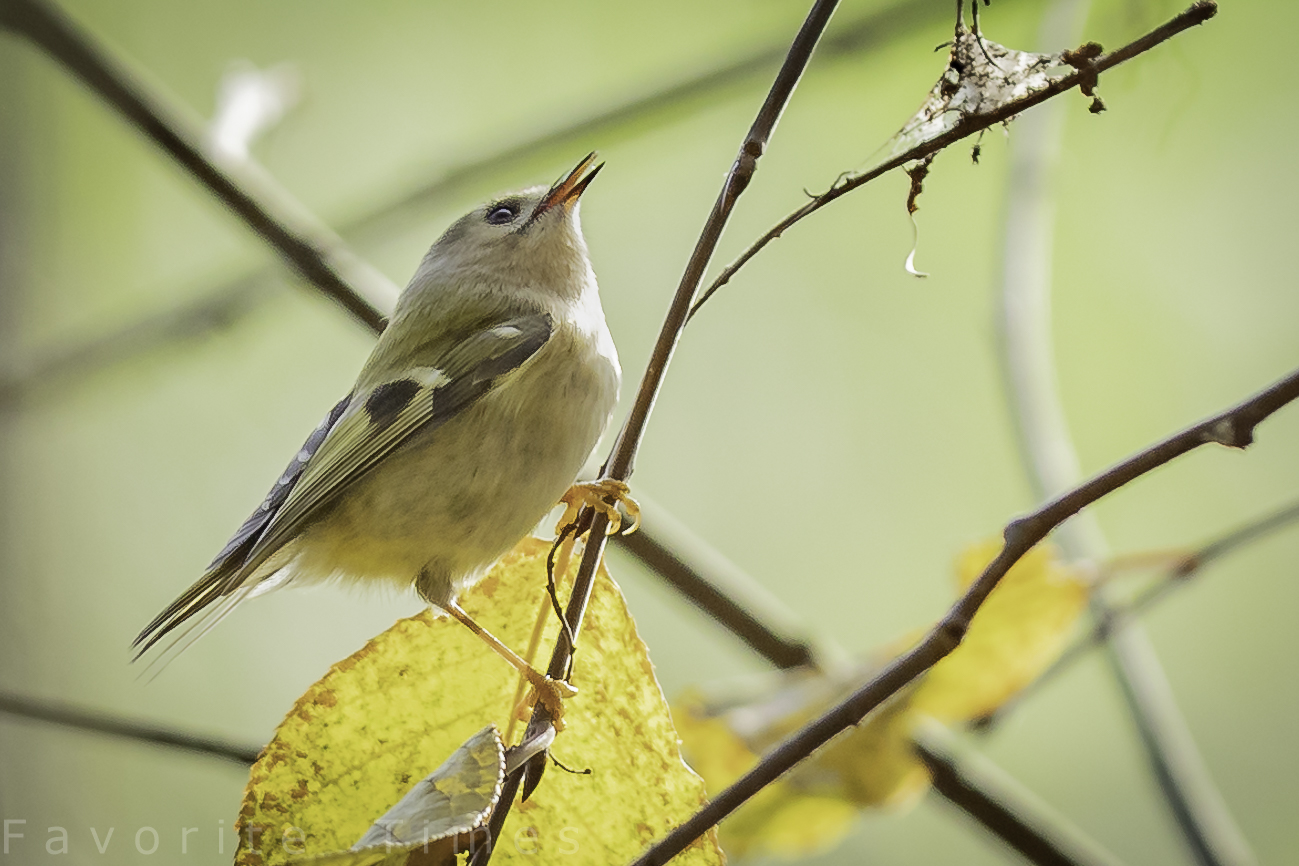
206,590
198,620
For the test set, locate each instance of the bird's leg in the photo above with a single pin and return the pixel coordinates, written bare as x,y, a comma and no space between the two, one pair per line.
604,496
550,692
523,708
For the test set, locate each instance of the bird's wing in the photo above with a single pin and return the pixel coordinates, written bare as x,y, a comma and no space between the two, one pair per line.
360,431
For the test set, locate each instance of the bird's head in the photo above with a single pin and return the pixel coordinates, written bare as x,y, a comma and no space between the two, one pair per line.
531,238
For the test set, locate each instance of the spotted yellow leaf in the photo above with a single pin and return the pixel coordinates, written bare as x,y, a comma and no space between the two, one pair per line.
358,741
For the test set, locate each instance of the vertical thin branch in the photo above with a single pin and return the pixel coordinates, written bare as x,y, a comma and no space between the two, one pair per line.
621,462
1052,465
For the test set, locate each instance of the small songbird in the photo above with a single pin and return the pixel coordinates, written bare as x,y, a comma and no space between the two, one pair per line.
483,398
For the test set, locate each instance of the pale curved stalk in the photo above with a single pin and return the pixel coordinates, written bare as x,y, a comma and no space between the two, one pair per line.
1052,465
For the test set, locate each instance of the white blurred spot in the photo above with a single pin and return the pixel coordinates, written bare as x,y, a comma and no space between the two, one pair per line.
249,102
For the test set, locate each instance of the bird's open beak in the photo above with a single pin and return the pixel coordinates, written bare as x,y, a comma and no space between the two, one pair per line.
568,190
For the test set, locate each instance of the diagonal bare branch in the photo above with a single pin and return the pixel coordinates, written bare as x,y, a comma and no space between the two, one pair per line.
1233,427
306,244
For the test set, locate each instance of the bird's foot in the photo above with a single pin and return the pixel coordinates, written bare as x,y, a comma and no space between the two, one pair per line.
550,693
604,496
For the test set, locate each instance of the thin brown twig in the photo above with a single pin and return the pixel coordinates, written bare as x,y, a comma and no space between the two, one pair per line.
850,37
1233,428
621,462
97,722
968,125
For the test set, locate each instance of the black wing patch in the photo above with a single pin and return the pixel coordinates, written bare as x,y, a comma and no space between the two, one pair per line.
357,443
386,401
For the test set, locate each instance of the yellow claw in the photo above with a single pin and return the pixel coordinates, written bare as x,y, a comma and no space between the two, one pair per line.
604,495
551,693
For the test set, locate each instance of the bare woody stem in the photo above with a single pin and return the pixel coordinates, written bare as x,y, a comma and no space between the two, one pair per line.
1196,14
621,462
1233,428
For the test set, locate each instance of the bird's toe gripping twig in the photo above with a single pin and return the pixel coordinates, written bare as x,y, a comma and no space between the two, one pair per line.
549,692
604,495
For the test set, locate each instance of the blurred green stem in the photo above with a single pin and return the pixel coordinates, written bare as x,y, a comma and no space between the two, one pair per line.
1052,465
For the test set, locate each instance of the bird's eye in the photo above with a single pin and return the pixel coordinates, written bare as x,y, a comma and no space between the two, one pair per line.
502,214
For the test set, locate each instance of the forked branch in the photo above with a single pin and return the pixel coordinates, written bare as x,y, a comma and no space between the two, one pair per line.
1084,75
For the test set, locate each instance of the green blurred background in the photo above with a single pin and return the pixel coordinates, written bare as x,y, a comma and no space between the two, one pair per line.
833,425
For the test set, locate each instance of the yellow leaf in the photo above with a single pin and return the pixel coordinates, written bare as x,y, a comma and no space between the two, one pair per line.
1017,633
816,804
1015,636
361,737
786,822
446,811
874,764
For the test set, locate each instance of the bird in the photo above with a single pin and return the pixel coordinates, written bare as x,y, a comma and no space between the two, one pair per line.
483,398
